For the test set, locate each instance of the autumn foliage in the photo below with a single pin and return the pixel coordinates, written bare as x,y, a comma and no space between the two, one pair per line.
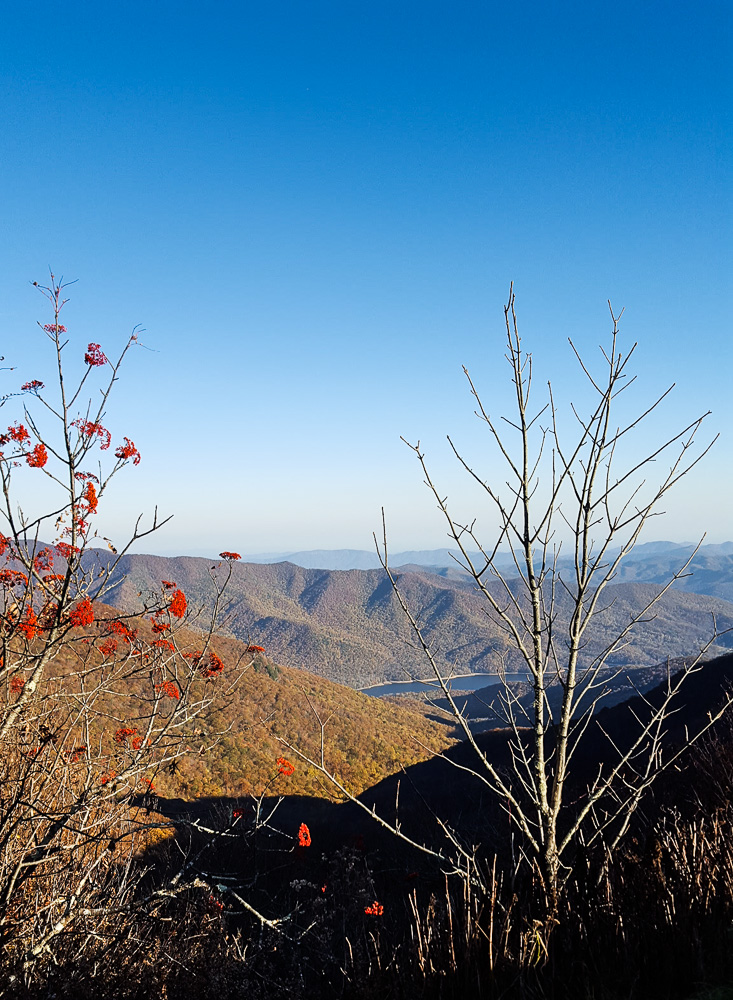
95,706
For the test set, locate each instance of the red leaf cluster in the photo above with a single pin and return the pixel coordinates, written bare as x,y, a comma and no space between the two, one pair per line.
116,627
169,688
37,457
43,560
177,606
123,735
28,624
89,496
284,767
82,614
65,550
208,665
127,451
89,429
18,433
94,356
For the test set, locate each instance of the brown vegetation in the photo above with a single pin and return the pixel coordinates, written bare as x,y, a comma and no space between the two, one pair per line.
348,627
165,828
368,737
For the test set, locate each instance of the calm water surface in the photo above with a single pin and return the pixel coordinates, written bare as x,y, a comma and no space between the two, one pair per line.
468,682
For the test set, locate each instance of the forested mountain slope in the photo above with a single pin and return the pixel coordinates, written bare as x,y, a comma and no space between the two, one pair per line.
347,625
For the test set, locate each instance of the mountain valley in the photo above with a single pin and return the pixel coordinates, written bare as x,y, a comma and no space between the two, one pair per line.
346,625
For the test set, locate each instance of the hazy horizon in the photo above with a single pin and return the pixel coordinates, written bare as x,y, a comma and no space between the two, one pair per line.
282,555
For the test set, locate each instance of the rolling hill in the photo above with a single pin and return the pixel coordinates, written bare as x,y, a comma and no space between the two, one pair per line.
347,626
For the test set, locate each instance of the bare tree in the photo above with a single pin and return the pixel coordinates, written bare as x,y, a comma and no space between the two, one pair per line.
585,492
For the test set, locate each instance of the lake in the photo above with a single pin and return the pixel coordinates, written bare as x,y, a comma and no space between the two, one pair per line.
466,682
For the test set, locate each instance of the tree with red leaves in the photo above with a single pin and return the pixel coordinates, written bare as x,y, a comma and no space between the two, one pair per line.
95,707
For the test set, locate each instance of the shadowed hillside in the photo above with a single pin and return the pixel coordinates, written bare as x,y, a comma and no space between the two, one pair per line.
432,939
435,787
484,707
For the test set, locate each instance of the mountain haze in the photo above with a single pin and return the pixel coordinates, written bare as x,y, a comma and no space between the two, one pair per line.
356,558
710,572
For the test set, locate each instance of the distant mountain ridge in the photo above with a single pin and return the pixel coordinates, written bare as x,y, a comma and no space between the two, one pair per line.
348,627
343,559
710,572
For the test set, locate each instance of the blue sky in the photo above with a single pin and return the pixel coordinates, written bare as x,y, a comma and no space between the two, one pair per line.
315,210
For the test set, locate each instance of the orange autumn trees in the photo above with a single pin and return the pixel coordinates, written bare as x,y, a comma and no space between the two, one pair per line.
94,705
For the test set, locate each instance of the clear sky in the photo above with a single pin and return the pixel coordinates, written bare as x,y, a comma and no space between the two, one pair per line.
315,210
